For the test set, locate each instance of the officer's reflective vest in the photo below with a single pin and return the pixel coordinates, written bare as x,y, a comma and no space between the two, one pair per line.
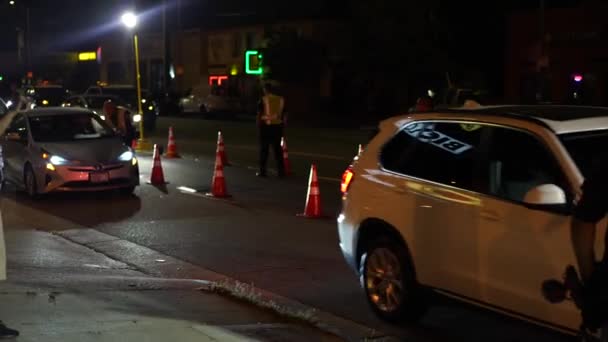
273,108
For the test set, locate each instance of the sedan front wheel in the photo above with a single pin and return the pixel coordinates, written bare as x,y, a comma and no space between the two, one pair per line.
31,187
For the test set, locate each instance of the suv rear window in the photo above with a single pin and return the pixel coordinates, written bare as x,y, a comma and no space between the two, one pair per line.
442,152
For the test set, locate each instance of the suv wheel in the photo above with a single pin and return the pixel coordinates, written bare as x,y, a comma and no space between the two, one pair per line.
388,279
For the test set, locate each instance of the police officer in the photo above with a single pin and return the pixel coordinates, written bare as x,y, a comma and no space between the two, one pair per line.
270,120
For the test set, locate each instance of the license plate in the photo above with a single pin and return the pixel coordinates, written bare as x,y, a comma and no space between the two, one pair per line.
99,177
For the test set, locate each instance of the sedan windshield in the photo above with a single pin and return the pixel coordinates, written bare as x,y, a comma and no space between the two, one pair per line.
68,127
96,102
585,148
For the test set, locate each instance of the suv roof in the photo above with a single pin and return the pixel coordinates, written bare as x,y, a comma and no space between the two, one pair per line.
560,119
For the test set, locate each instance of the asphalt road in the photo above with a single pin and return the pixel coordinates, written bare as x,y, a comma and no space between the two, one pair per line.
255,238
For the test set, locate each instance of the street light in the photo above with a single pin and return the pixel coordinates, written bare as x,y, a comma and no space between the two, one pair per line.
129,19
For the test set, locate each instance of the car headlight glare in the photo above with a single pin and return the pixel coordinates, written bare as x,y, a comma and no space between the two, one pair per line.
126,156
137,118
57,160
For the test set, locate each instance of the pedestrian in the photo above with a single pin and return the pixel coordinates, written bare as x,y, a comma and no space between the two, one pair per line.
5,332
423,104
125,124
17,101
119,118
590,209
270,119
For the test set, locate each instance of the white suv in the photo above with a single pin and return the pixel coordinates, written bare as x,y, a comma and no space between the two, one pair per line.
474,204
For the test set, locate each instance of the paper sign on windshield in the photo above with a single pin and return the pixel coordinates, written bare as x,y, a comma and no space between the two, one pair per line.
427,134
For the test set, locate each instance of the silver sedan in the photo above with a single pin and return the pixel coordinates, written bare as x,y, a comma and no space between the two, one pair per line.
66,149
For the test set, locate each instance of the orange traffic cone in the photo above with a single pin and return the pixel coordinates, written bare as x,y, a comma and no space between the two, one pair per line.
360,150
218,183
286,163
312,208
157,177
171,146
221,149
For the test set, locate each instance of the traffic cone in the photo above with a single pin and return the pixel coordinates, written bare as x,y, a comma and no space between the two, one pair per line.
157,176
360,150
218,183
221,149
312,208
171,146
286,163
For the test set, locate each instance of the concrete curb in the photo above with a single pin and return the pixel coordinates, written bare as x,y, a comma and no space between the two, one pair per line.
154,263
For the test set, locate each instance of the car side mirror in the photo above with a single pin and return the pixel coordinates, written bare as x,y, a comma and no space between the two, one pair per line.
14,136
545,195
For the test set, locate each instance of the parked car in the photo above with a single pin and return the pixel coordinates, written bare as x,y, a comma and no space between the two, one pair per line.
191,104
128,94
47,95
474,204
66,149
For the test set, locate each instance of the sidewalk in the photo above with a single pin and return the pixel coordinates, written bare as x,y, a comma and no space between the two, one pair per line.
62,291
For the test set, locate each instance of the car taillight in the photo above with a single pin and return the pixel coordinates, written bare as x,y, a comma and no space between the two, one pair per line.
347,178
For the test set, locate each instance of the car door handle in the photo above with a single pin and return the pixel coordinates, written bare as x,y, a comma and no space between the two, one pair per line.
490,215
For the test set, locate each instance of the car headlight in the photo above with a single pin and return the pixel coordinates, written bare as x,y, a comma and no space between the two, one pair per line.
126,156
57,160
137,118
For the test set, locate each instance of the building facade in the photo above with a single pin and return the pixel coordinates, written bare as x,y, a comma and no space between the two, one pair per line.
568,66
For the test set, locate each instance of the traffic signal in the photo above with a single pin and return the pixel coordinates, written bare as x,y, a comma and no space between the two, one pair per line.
253,62
1,78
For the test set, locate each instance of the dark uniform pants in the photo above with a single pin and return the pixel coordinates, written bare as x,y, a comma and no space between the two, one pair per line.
270,135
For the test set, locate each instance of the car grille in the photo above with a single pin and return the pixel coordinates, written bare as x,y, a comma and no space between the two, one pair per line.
87,184
96,168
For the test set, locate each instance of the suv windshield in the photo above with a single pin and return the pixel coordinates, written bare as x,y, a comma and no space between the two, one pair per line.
585,147
68,127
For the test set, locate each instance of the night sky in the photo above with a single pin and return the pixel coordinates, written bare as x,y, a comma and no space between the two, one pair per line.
67,17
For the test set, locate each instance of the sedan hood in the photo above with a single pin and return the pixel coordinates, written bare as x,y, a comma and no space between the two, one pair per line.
99,151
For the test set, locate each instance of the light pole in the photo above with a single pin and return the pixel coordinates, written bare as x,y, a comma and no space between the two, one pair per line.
129,19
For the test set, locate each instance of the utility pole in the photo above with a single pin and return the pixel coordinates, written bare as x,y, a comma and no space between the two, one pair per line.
164,78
